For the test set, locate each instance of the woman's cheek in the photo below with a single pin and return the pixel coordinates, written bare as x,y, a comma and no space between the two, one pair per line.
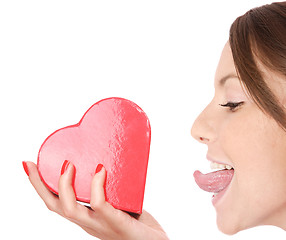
240,143
260,168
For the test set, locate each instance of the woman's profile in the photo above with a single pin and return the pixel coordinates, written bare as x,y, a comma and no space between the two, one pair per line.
244,128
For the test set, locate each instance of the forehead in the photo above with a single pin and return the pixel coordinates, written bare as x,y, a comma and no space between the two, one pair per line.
225,66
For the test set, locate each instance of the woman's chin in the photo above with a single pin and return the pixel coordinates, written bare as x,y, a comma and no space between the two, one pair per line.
227,228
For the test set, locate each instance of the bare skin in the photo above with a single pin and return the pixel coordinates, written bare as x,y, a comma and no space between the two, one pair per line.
239,134
101,220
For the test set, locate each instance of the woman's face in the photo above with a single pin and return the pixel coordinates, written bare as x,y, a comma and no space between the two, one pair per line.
237,133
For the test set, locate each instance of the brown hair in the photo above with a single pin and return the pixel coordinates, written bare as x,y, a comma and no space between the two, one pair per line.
261,34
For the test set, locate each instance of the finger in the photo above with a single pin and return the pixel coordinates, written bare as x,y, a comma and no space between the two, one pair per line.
97,195
71,209
66,192
102,209
49,198
53,203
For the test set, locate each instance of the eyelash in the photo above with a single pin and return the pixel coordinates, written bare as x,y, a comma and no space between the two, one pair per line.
232,105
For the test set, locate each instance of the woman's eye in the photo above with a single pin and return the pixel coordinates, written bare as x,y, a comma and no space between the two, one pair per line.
232,105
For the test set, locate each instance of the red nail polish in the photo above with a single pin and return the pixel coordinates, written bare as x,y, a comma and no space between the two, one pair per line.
65,166
98,168
25,168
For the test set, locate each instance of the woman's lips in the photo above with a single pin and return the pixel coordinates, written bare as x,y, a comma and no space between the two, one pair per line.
215,181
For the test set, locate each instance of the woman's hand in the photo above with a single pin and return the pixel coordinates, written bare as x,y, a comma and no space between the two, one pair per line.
100,220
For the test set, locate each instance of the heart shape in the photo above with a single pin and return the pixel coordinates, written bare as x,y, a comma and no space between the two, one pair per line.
114,132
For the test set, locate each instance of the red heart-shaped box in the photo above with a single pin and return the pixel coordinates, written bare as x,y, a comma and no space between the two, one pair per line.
114,132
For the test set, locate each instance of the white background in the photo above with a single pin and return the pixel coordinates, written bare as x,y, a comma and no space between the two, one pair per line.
57,58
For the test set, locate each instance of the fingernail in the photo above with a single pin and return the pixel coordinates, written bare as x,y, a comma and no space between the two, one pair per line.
98,168
25,168
65,166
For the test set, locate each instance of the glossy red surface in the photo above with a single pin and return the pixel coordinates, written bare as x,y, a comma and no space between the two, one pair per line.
114,132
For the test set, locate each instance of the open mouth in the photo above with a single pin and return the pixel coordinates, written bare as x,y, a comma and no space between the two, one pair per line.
215,182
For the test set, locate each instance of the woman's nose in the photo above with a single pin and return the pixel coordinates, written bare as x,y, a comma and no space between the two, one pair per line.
203,129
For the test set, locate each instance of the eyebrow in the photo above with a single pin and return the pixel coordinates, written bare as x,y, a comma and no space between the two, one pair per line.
225,78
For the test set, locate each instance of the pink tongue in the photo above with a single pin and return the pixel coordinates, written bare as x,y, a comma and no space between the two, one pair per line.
214,181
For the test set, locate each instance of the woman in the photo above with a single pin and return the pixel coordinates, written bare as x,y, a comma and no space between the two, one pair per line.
244,128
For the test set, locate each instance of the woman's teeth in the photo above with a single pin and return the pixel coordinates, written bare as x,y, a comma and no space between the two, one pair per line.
219,166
